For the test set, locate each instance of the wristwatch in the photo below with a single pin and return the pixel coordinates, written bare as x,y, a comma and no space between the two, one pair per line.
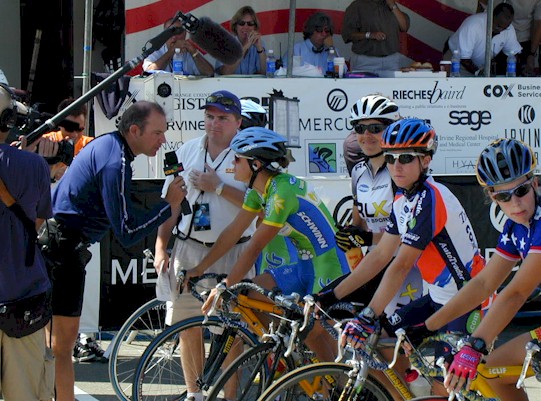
368,313
477,344
219,188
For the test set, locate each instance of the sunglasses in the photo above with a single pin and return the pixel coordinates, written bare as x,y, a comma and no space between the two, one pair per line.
224,101
239,157
249,23
403,158
372,128
71,126
320,30
519,191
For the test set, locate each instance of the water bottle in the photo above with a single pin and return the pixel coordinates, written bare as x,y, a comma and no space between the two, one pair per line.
511,65
178,65
418,385
271,64
330,63
455,64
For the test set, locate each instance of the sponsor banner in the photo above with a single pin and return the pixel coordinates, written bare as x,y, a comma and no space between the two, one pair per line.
467,113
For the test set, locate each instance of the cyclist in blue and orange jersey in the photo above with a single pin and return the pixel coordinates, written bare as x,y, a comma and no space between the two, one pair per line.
506,169
292,209
428,229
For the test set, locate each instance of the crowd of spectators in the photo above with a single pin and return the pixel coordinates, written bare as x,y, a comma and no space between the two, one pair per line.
374,28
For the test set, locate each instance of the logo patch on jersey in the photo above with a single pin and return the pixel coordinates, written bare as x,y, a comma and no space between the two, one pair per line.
363,188
305,254
277,203
412,223
395,319
292,180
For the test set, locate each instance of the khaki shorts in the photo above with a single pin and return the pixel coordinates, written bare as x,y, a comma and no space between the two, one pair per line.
185,256
27,368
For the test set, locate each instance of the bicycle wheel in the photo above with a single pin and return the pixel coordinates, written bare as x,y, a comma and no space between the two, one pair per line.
159,374
321,382
252,372
130,342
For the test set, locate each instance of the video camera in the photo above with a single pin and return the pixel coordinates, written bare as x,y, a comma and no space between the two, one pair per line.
14,115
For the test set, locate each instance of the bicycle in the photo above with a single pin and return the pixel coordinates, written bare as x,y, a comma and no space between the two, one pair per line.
133,337
351,381
159,372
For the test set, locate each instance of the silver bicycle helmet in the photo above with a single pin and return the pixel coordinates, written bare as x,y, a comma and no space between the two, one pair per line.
375,107
259,143
503,161
253,115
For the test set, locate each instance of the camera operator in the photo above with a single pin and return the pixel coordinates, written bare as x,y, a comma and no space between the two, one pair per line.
27,364
92,197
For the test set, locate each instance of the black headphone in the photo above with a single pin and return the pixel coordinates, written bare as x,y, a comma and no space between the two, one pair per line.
8,116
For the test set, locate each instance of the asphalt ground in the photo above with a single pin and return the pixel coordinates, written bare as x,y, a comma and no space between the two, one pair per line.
93,380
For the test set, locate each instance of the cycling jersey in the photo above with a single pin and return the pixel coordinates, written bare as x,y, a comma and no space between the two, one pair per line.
517,240
290,204
373,195
432,219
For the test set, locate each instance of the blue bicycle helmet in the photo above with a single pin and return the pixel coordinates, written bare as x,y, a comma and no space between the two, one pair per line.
410,133
259,143
503,161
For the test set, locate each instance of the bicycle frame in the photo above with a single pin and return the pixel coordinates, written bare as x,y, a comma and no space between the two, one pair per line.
485,373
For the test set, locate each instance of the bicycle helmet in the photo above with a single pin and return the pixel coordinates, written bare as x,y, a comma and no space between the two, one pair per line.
374,106
410,133
259,143
253,115
503,161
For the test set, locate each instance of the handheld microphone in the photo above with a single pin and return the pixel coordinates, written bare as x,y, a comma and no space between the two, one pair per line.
173,167
212,38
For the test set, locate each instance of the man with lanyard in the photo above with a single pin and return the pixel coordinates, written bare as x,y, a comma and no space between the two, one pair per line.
92,197
208,171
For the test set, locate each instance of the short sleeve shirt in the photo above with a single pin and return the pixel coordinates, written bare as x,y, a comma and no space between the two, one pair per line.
517,241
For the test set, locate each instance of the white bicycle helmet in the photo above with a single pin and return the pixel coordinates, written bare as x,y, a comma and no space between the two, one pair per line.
253,115
375,107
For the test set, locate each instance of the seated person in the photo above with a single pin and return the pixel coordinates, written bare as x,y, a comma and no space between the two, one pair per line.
162,59
470,39
317,33
245,26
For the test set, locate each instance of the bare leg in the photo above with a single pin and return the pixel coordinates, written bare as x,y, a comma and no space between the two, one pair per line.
192,357
510,353
64,335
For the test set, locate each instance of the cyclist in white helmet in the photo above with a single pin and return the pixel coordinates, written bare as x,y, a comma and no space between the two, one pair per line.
253,114
373,192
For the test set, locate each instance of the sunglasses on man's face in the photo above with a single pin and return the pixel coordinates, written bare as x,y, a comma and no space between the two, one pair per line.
71,126
224,101
372,128
321,29
403,158
249,23
519,191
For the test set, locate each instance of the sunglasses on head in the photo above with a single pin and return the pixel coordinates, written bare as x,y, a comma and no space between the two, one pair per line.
372,128
239,157
519,191
249,23
224,101
321,29
403,158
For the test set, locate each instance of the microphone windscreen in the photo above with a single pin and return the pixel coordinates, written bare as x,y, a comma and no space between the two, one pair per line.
217,42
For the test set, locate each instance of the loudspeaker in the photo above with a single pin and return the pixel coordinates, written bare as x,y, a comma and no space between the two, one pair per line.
159,88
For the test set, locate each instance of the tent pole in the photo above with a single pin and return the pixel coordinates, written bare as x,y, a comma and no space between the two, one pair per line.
291,37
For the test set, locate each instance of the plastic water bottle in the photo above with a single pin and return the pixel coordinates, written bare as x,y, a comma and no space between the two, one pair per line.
178,65
330,62
511,65
418,385
455,64
271,64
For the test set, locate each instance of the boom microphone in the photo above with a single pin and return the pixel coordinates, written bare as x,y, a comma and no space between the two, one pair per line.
212,38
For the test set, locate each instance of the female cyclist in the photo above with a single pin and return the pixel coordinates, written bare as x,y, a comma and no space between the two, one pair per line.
373,192
428,228
506,169
290,209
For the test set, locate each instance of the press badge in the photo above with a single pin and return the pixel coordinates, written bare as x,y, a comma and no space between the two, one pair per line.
201,221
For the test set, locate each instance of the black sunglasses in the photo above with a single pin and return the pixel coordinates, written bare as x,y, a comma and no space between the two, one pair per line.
519,191
71,126
403,158
224,101
321,29
372,128
249,23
